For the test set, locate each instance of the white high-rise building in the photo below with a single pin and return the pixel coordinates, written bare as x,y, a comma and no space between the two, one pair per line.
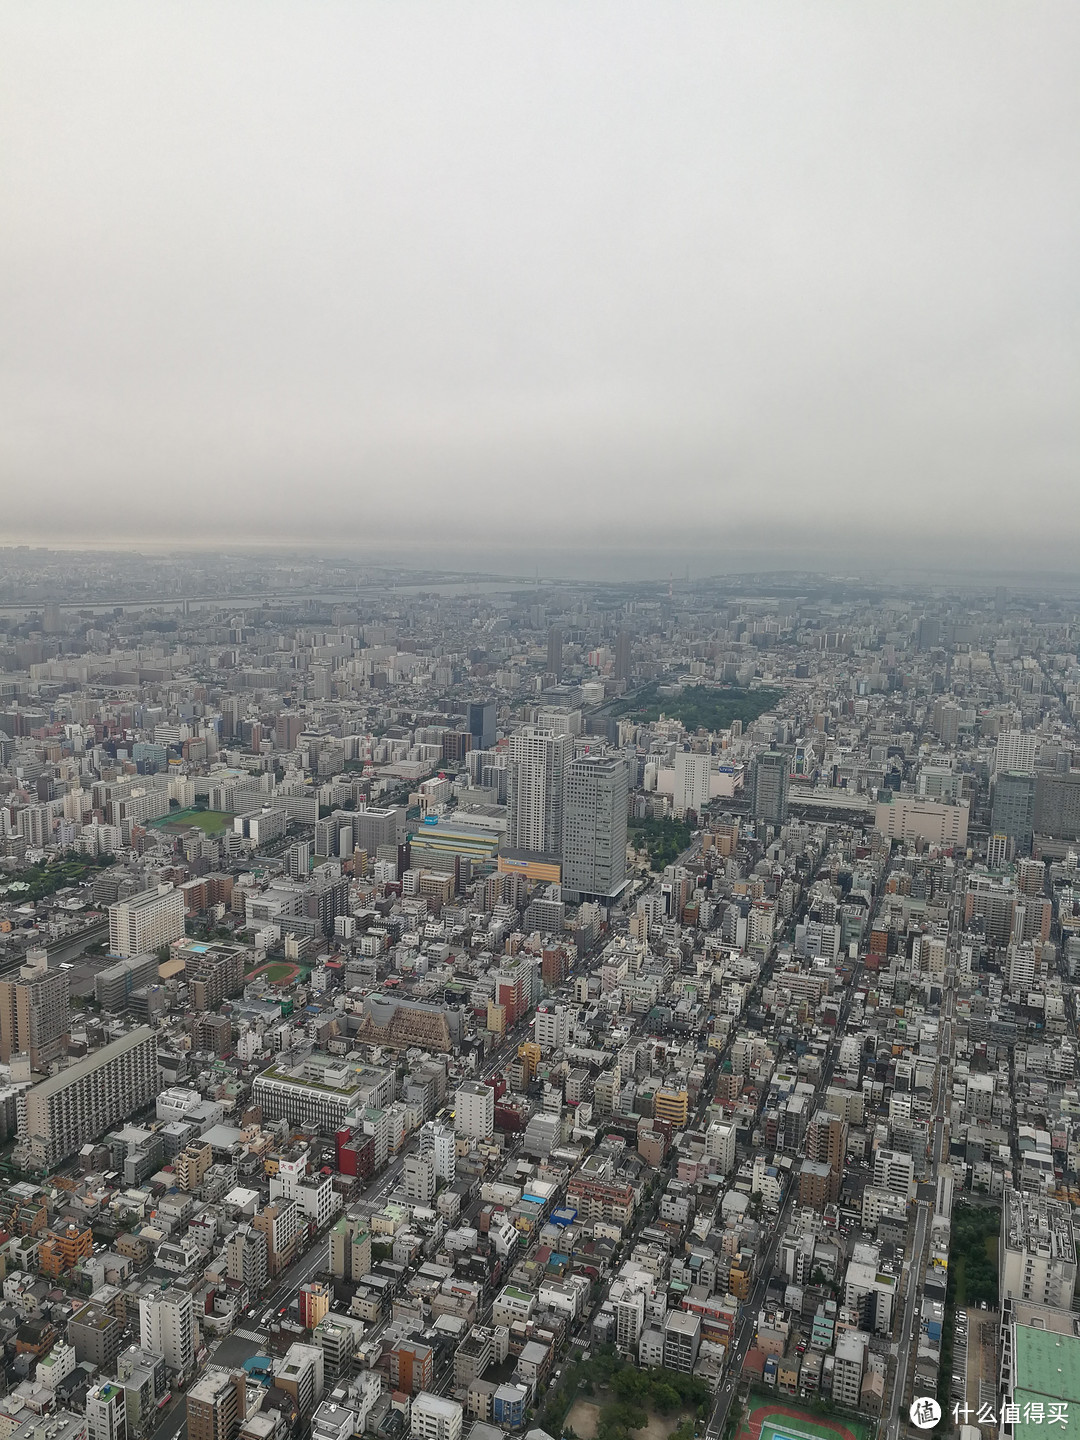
474,1110
693,776
720,1145
551,1026
418,1178
535,790
1015,750
894,1170
167,1327
144,923
439,1144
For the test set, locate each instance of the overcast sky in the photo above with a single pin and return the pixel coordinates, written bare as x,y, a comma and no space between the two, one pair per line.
664,284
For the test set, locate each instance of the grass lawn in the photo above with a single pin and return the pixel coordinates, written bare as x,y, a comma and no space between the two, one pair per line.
210,822
280,971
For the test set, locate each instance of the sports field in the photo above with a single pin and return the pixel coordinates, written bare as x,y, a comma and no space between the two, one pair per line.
278,972
771,1419
210,822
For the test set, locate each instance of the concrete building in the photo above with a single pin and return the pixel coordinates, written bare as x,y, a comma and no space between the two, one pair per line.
245,1259
848,1367
474,1110
145,922
61,1114
435,1418
300,1374
909,818
34,1013
536,789
693,781
418,1178
894,1171
217,1405
96,1336
594,827
106,1412
167,1327
1037,1251
438,1144
682,1339
769,787
720,1145
350,1248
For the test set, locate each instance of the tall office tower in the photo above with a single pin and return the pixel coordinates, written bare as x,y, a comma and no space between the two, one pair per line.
535,790
1015,750
1057,805
594,827
481,723
769,797
622,655
1000,595
144,923
1012,811
34,1012
554,655
217,1404
59,1116
928,634
693,777
231,713
167,1326
51,623
287,731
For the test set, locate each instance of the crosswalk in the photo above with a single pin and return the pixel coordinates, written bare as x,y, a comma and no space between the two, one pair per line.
249,1334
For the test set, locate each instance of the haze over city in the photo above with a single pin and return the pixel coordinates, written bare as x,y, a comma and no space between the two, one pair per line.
605,289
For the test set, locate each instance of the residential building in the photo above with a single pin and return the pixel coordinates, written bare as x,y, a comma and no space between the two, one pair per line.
474,1110
60,1115
217,1405
146,922
167,1327
34,1013
435,1418
682,1339
536,789
106,1412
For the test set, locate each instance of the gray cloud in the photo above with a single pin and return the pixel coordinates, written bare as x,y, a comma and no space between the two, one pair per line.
686,281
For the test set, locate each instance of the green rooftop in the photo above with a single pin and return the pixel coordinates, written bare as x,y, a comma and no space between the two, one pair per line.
1047,1371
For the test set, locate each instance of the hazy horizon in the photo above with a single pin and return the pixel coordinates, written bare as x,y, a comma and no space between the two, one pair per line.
596,289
